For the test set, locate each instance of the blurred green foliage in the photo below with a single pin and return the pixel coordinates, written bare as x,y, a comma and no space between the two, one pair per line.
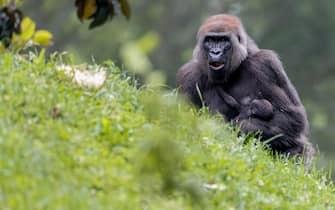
29,36
301,32
68,146
19,32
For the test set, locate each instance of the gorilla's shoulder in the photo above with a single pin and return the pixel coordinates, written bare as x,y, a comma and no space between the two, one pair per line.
265,56
266,63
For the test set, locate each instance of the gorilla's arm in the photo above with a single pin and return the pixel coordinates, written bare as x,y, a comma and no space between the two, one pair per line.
189,82
194,84
289,121
277,74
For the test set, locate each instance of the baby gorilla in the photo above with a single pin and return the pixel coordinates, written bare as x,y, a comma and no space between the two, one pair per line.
257,108
248,108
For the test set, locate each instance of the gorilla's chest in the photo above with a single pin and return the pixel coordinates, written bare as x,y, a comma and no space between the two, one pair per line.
228,98
244,85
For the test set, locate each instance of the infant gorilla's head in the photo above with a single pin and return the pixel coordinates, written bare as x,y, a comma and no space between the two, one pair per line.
261,108
257,108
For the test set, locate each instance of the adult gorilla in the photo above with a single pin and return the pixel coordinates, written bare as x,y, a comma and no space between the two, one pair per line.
229,74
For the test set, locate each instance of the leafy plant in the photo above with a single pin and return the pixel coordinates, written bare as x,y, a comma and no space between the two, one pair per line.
18,32
29,36
100,10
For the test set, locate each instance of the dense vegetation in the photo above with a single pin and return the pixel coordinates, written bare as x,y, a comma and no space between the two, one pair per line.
67,146
301,32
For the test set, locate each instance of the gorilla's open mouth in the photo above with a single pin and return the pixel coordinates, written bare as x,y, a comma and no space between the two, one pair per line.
216,65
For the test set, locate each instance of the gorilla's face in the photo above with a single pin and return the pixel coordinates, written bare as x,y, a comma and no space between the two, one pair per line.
218,50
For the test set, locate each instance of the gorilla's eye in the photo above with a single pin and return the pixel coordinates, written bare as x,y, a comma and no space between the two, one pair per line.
207,44
228,46
209,41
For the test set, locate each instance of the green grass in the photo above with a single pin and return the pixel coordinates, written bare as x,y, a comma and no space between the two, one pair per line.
118,147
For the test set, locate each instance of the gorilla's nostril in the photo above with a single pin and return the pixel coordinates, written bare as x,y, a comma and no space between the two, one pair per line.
216,52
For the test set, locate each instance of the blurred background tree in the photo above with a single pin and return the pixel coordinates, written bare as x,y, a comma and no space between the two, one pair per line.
160,37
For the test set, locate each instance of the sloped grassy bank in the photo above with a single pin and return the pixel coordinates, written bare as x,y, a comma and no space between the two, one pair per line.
65,146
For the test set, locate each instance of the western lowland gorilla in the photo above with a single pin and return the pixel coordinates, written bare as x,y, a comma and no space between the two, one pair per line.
229,74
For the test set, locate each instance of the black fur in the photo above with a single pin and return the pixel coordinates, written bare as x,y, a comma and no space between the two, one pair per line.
257,95
257,108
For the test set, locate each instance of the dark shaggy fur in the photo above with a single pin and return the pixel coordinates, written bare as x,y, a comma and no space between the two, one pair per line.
251,81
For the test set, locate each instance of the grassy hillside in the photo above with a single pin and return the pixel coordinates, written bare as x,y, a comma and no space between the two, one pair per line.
65,146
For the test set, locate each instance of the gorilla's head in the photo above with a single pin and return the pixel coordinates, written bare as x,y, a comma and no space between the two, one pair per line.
222,46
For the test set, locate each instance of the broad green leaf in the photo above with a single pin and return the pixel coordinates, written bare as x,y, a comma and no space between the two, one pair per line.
43,37
27,29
